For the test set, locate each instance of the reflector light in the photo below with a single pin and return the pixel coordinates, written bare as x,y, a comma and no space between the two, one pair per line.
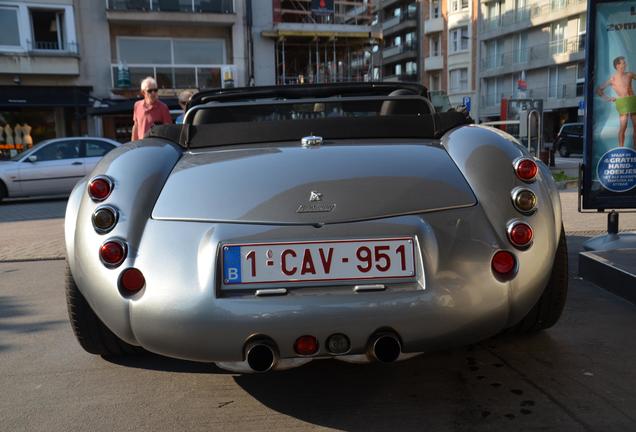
524,200
132,280
503,263
100,188
338,344
112,253
104,219
306,345
526,169
520,234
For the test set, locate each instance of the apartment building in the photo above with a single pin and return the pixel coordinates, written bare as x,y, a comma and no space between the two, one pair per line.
183,44
41,87
401,56
296,42
533,49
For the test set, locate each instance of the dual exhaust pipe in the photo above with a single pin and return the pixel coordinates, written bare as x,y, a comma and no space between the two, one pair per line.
262,355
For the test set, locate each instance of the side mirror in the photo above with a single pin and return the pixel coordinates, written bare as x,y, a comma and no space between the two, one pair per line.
32,158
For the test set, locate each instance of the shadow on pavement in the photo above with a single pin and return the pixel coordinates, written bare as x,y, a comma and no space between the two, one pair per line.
151,361
11,313
20,209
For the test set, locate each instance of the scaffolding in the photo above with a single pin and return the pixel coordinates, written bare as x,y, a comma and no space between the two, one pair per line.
323,48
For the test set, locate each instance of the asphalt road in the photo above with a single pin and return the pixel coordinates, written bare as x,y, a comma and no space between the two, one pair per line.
578,376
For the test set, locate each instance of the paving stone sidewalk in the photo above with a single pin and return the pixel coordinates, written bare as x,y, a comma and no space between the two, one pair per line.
42,237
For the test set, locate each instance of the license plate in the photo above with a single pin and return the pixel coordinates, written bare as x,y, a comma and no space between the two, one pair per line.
318,261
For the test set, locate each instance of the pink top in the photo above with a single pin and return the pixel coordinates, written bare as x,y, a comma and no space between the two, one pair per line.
145,117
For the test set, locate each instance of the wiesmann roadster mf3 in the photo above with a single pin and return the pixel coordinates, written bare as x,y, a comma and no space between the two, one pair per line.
284,224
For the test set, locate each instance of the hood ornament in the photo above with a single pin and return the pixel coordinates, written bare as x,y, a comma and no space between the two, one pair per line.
315,196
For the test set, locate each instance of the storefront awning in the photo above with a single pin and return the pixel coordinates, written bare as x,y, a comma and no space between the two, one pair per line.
43,96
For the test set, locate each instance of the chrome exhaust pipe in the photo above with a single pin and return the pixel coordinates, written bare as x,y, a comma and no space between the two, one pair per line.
385,347
261,355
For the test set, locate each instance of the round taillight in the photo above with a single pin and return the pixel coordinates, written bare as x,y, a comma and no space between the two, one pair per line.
132,280
526,169
306,345
524,200
112,253
520,234
105,219
504,263
100,188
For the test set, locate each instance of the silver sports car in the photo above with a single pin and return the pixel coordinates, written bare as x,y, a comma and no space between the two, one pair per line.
284,224
52,167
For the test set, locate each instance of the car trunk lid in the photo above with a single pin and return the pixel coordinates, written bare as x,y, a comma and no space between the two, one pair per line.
331,183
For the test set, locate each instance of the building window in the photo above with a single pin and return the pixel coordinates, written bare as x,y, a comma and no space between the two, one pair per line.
491,91
553,82
453,5
557,37
458,80
434,45
375,19
434,81
459,39
398,69
10,36
520,53
464,4
397,41
397,12
411,68
48,29
411,11
435,9
376,74
410,40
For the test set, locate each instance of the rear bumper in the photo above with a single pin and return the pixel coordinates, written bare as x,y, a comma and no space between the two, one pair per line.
183,313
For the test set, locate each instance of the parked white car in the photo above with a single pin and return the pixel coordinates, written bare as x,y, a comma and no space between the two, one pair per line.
52,167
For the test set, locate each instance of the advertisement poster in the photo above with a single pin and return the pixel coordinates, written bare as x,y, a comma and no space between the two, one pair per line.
610,154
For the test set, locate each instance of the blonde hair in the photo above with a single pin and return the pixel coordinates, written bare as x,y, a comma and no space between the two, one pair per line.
147,82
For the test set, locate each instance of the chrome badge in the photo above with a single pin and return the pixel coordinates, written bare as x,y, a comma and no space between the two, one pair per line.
315,205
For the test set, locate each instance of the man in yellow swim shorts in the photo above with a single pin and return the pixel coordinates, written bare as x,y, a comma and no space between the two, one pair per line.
625,101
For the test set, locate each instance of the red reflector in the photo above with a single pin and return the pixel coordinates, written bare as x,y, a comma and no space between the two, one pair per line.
527,169
503,262
99,188
132,280
112,253
520,234
306,345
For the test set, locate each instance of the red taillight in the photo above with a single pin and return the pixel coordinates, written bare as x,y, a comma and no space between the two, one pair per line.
503,263
520,234
99,188
526,169
112,253
306,345
131,280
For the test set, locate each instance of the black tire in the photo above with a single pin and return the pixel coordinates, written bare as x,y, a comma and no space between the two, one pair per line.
3,191
547,311
563,150
90,332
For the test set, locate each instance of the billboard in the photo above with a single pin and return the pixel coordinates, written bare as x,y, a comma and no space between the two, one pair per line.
609,179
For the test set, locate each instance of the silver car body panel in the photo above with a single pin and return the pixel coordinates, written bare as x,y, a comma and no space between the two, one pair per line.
184,310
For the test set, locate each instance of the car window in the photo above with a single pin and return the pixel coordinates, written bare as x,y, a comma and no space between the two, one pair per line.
58,150
95,148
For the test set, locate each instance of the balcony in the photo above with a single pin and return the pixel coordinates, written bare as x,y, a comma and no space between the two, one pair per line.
410,77
534,57
400,23
398,53
434,25
531,16
171,11
432,63
205,6
43,58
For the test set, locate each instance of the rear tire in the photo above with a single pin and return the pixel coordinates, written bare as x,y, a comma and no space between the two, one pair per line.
89,331
547,311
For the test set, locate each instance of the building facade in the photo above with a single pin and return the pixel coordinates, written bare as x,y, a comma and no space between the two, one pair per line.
42,89
533,50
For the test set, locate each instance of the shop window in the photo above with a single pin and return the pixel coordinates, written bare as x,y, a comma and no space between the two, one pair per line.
48,29
10,36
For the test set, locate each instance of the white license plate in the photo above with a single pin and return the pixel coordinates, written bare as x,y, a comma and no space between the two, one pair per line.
318,261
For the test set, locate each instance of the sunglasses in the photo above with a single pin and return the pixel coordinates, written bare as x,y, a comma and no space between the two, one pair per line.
152,90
